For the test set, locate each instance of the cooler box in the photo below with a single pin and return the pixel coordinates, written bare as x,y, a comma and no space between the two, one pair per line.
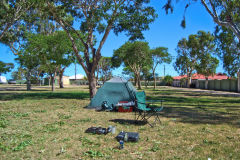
124,106
125,109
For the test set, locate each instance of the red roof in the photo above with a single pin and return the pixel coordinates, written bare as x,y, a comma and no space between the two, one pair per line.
196,76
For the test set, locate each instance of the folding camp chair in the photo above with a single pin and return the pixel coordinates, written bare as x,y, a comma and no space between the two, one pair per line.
146,109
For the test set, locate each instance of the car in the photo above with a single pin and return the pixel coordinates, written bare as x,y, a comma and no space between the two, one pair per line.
11,81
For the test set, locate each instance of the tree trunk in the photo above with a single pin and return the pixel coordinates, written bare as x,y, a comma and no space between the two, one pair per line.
92,85
206,83
189,81
53,81
155,83
49,81
135,81
238,82
28,81
97,76
138,81
61,79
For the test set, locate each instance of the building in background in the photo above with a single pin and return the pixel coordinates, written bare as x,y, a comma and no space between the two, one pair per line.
178,81
76,77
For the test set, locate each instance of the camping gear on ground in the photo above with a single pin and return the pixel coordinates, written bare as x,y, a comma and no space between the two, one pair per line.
121,142
113,129
146,109
125,106
98,130
115,90
106,107
128,136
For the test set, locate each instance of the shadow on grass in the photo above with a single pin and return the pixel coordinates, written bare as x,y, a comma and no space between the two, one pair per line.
199,116
48,95
201,110
128,122
196,100
195,92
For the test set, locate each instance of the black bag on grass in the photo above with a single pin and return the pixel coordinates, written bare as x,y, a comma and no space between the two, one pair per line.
98,130
128,136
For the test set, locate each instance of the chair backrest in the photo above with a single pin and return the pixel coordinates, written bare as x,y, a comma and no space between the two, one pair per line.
141,101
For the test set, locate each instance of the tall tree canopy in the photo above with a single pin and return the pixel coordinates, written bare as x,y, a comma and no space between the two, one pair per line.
53,52
135,56
195,54
100,17
229,51
5,67
16,16
159,55
105,68
224,12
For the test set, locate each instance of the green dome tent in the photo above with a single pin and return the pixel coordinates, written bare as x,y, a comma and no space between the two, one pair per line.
115,90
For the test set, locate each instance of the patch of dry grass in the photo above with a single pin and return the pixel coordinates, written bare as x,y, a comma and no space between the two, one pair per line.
45,125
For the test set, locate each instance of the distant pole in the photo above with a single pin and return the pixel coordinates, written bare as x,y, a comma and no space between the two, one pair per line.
164,71
75,70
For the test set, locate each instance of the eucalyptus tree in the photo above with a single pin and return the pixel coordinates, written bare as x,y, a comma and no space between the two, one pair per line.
105,68
147,75
16,18
54,52
207,66
5,67
187,57
135,56
159,55
12,13
224,13
195,55
28,62
100,17
206,49
228,49
168,80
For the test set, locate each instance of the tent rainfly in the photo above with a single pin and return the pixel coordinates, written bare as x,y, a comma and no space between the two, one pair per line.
115,90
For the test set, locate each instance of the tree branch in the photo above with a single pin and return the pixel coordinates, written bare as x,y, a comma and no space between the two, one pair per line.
221,23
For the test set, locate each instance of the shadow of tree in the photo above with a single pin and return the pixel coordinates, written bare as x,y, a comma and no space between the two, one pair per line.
200,116
47,95
195,92
199,107
195,100
128,122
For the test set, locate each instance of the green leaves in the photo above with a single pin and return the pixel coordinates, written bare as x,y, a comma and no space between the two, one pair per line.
228,49
135,56
161,55
195,53
5,67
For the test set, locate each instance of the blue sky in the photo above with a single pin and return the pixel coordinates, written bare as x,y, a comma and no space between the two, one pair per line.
164,31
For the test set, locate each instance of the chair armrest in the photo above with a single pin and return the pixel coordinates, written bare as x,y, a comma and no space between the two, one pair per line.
152,102
156,109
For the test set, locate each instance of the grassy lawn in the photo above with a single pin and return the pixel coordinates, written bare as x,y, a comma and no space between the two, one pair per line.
45,125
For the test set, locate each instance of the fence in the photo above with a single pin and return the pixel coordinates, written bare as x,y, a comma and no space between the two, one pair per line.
219,85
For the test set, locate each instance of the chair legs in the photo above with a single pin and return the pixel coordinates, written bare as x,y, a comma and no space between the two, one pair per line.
156,119
144,116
